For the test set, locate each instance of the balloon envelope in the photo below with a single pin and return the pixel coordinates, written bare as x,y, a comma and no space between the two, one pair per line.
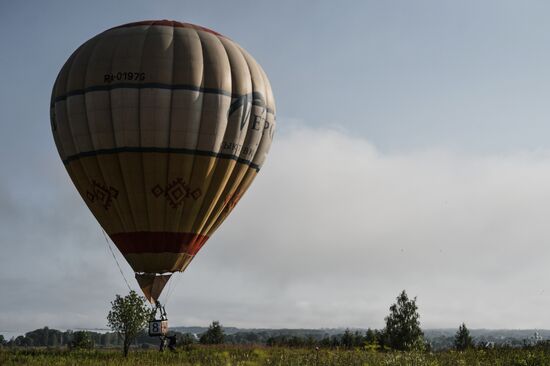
162,127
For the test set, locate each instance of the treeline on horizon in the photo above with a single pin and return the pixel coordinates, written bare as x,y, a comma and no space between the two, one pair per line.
402,332
348,339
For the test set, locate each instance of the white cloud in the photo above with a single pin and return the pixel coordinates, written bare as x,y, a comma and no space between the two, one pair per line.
329,234
333,223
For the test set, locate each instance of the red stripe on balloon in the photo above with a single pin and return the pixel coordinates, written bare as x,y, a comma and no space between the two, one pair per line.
168,23
159,242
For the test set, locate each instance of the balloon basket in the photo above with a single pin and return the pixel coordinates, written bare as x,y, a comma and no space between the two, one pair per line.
158,327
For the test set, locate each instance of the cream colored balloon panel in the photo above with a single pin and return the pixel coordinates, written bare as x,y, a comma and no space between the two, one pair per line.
230,196
86,174
237,115
58,113
126,131
225,197
86,60
269,125
125,102
72,118
213,122
258,142
55,132
155,132
177,191
240,109
91,63
78,123
115,185
213,125
74,126
270,99
220,179
127,56
185,127
265,142
241,178
155,110
237,126
155,170
201,175
233,190
188,60
114,167
196,174
158,55
105,171
101,189
60,86
243,175
101,179
239,72
98,112
223,177
238,190
131,165
63,130
258,115
104,188
154,117
217,71
186,116
98,193
254,134
143,120
125,117
87,191
89,185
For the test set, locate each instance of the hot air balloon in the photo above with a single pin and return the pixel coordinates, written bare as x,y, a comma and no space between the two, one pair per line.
162,127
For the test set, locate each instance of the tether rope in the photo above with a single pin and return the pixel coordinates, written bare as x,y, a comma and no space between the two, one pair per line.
173,287
116,260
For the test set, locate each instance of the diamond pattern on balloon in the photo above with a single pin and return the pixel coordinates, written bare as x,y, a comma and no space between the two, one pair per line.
102,194
176,192
157,190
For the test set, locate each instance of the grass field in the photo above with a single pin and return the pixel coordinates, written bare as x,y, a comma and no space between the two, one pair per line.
251,356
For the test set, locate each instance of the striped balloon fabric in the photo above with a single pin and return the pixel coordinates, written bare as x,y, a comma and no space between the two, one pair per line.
162,127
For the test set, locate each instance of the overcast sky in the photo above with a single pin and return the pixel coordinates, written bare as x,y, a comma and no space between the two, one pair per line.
412,152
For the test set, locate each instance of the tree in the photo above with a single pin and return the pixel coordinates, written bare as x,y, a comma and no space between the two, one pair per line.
2,341
23,341
81,340
463,340
371,341
402,325
370,337
128,316
185,340
347,339
45,337
381,338
214,334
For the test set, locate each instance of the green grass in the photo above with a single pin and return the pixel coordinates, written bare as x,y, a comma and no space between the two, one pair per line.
252,356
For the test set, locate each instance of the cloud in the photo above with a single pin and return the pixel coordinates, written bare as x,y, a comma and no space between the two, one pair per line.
333,229
329,234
